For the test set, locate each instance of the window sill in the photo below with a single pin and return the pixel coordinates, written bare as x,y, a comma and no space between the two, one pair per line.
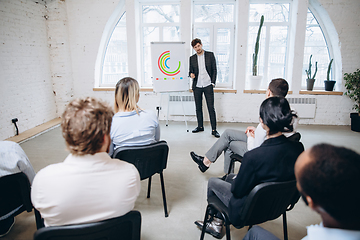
217,90
260,91
320,92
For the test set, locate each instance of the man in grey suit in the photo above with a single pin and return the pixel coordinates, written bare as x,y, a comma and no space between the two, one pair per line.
202,69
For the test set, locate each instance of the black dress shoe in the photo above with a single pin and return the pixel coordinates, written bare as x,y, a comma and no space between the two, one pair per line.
215,133
198,129
214,227
199,161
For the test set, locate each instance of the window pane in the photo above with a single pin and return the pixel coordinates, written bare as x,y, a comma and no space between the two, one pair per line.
223,55
204,35
115,64
272,12
151,34
214,12
171,34
277,53
315,45
161,13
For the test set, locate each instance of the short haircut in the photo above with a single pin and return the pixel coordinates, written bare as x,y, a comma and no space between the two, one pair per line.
84,124
195,41
127,94
279,87
275,113
332,178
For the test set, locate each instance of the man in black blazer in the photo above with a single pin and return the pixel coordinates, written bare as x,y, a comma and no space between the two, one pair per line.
202,69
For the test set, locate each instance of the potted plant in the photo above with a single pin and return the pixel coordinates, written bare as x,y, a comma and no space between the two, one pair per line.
352,85
255,80
310,79
329,84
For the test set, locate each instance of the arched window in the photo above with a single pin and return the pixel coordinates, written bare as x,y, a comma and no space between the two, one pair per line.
115,62
315,45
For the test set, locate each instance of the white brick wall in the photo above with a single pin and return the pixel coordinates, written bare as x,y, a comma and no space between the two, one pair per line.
41,57
25,86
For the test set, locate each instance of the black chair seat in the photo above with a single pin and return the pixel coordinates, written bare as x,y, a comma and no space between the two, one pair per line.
127,227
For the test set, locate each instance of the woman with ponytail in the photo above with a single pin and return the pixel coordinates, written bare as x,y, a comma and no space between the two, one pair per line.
273,161
131,125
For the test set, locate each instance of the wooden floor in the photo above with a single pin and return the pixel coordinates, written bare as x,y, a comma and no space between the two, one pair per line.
34,131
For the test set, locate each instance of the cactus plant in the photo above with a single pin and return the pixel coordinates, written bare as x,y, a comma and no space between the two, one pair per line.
328,71
308,72
256,50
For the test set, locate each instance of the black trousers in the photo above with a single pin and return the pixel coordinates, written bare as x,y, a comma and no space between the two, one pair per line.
209,97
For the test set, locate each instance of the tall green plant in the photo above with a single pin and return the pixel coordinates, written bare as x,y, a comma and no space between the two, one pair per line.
352,85
328,71
256,50
308,72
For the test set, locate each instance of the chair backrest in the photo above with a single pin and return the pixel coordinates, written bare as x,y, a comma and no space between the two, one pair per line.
15,192
127,227
267,201
148,159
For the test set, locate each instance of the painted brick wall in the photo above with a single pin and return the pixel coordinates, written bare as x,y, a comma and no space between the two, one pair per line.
25,85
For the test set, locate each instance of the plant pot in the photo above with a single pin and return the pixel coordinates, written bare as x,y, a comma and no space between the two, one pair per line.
355,122
329,85
255,82
310,84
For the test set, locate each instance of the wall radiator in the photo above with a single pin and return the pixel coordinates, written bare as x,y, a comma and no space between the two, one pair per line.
175,105
305,107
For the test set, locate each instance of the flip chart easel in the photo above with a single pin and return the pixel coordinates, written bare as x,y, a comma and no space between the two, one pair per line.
169,71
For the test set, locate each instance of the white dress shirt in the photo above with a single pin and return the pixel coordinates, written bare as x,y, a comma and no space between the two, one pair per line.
319,232
85,189
203,78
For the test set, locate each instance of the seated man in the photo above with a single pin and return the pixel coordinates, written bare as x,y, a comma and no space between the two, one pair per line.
328,179
271,162
239,142
12,160
88,186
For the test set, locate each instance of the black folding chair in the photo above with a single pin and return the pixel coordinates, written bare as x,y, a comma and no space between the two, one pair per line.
148,159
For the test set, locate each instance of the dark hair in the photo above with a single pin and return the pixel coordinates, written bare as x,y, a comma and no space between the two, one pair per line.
276,114
195,41
279,87
332,180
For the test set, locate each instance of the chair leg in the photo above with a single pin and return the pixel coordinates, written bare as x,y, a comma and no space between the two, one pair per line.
163,194
285,226
231,165
149,187
204,223
39,221
227,228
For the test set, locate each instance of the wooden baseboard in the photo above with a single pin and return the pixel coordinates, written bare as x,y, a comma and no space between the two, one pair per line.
34,131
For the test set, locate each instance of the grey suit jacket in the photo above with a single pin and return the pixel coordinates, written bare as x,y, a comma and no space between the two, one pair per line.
210,64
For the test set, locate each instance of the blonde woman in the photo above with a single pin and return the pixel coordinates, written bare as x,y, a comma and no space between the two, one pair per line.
131,125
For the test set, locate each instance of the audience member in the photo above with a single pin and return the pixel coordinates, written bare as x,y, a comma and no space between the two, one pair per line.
239,142
12,160
131,125
327,178
273,161
88,186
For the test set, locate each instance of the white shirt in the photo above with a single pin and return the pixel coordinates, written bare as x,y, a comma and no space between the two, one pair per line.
203,78
14,160
132,129
319,232
85,189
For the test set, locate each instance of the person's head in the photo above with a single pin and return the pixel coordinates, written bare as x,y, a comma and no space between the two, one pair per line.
277,87
126,95
86,126
328,177
276,115
197,45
